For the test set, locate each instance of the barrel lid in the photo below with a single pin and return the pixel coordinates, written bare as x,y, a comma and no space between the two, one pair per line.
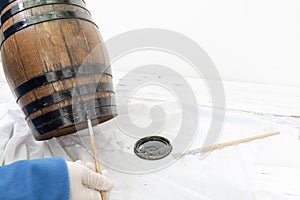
153,148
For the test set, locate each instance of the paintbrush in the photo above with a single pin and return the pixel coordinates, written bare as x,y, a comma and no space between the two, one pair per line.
225,144
95,153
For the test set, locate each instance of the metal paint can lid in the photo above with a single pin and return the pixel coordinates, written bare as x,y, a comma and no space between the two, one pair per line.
153,148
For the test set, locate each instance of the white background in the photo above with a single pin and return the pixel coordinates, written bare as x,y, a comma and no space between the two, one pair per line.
254,44
255,41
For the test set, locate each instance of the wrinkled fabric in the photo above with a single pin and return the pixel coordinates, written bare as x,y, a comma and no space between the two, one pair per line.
262,169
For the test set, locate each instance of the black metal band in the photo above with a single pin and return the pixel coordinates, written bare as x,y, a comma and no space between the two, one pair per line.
66,118
36,19
76,110
68,94
66,73
5,3
69,120
31,4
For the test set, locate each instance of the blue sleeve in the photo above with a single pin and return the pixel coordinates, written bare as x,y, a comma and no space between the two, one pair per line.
45,179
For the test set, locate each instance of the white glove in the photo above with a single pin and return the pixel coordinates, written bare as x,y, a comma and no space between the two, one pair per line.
85,183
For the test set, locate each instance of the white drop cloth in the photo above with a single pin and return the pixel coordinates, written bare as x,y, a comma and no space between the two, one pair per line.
267,169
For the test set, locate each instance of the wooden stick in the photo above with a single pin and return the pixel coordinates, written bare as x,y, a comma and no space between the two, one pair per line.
95,153
295,116
226,144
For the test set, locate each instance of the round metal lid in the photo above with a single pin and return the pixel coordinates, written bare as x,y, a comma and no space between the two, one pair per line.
153,148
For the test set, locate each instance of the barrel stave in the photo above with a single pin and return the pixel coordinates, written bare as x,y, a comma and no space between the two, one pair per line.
54,69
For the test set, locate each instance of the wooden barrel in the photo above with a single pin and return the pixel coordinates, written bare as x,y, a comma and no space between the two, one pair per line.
52,67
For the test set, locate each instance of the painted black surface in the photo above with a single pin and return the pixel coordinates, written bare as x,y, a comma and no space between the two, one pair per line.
77,110
68,116
5,3
66,73
69,120
153,148
68,94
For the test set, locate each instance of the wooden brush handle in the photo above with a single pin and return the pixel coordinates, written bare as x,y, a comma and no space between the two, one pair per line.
97,163
98,170
225,144
235,142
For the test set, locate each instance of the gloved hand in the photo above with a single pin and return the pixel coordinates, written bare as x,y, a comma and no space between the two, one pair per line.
85,183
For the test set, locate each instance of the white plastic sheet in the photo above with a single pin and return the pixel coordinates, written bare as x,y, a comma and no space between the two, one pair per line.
263,169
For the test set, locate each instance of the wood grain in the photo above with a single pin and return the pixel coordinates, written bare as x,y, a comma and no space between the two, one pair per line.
52,46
